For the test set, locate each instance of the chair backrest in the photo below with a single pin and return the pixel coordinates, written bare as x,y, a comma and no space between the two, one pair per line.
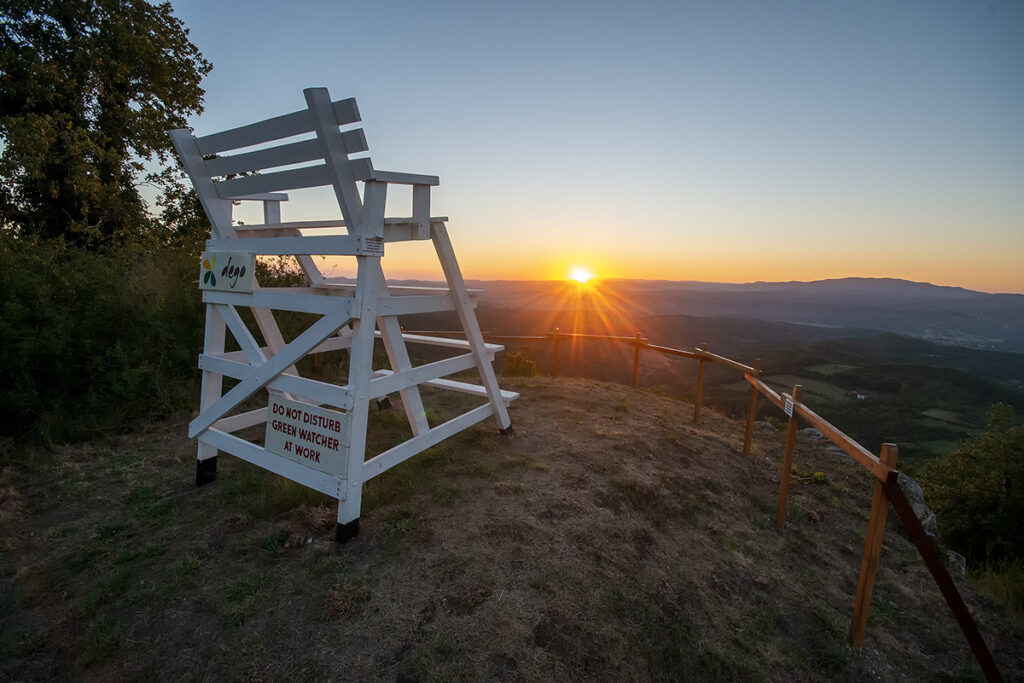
216,188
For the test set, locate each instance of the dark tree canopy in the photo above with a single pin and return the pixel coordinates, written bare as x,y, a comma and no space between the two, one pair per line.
87,89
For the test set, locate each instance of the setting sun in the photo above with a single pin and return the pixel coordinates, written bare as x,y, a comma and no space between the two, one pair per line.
580,275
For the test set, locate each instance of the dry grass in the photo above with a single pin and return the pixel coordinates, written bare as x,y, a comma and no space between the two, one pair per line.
610,539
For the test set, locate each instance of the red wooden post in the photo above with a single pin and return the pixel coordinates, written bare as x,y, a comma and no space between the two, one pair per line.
636,360
787,459
748,436
872,549
700,385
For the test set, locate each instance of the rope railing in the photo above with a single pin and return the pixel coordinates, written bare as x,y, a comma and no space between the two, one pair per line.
883,467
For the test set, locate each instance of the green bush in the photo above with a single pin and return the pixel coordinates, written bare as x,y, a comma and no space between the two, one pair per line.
94,340
977,491
518,364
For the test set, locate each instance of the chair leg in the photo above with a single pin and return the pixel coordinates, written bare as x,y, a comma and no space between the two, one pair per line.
206,471
344,533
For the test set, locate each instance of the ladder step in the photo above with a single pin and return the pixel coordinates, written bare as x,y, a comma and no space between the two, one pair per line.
462,387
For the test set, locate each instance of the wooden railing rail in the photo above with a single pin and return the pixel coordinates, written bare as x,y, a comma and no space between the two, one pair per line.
882,467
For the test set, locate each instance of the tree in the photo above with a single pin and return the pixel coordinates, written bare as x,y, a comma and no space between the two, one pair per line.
87,90
978,491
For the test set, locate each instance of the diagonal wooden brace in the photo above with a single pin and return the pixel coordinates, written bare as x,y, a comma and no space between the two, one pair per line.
277,364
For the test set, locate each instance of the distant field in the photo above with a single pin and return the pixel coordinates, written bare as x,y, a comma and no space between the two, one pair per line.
945,415
811,386
831,368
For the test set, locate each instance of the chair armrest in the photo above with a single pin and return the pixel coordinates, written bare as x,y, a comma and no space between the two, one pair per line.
363,169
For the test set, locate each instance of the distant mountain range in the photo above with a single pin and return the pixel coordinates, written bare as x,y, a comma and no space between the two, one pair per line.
945,315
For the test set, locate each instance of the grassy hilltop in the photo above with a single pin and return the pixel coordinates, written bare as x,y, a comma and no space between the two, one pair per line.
610,539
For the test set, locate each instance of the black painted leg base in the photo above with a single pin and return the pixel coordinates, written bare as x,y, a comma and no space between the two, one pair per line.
508,431
346,532
206,471
384,403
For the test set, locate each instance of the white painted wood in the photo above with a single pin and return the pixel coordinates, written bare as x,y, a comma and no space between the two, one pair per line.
218,210
339,170
406,305
420,374
360,369
281,300
363,169
449,343
241,333
241,421
403,451
453,385
289,469
271,212
421,210
316,391
374,200
369,304
319,245
313,335
293,179
464,307
212,382
344,112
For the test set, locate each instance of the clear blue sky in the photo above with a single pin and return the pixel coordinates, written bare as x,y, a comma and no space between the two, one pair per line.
729,141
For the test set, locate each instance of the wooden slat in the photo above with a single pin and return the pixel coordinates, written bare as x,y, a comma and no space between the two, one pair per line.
277,128
397,381
862,455
282,301
363,169
278,363
769,393
938,570
418,444
321,393
241,421
461,387
296,178
670,351
307,476
334,245
449,343
282,155
723,360
407,305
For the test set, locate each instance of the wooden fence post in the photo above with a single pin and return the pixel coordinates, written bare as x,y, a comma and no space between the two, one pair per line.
554,337
787,459
748,435
700,386
636,361
872,550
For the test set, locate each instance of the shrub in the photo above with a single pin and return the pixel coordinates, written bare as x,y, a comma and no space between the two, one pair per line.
94,340
518,364
977,491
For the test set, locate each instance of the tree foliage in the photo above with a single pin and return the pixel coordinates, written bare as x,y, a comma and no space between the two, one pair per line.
87,90
978,491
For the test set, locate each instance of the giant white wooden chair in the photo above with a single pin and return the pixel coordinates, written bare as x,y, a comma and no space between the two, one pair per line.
351,316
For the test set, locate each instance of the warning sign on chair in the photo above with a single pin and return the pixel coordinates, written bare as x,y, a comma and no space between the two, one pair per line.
308,434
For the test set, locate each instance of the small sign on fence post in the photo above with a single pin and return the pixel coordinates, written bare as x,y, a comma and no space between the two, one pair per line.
789,406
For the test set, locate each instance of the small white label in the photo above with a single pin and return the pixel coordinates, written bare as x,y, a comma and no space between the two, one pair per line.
371,246
227,271
789,406
308,434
